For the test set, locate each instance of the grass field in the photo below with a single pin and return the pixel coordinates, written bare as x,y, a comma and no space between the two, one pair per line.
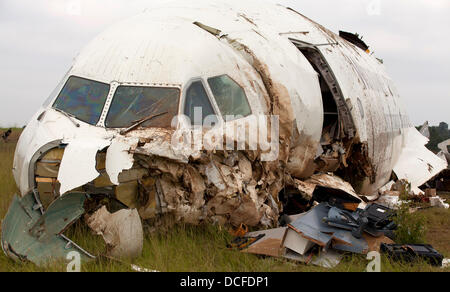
202,248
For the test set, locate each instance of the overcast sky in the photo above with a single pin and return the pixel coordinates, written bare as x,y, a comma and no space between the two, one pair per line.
40,38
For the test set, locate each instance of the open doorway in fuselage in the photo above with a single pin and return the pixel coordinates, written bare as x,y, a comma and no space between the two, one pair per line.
338,127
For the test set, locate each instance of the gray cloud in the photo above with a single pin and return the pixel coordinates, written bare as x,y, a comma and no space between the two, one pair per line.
40,38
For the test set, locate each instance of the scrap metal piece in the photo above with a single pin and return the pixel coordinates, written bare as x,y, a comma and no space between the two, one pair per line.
425,130
295,242
306,189
59,216
444,154
390,201
417,164
118,158
330,189
122,232
445,263
241,243
78,165
329,259
355,39
214,176
438,202
375,220
333,186
270,244
27,235
312,227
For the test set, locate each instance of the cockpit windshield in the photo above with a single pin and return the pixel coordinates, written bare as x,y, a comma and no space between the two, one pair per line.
82,98
131,104
230,97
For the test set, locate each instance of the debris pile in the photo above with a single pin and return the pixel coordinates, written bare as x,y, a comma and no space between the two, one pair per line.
322,218
393,194
321,235
332,227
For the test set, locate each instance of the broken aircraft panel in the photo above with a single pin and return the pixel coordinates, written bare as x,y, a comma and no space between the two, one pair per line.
338,112
28,235
415,156
122,231
312,227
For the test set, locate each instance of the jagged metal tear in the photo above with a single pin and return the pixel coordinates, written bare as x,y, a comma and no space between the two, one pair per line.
29,235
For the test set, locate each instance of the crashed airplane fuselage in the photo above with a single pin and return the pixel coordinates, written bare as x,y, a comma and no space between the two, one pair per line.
116,126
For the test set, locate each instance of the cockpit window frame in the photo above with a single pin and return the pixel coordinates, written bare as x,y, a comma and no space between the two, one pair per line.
116,86
243,90
209,95
64,81
113,85
51,99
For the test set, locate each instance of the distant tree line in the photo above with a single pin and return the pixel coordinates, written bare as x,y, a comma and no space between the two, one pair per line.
437,135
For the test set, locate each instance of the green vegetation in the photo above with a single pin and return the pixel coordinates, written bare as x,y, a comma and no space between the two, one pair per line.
437,135
202,248
7,185
411,226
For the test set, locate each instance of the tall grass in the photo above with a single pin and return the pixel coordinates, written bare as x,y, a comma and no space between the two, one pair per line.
411,227
7,185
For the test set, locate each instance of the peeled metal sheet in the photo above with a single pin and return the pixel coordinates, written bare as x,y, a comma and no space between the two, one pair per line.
417,164
78,165
43,243
334,185
122,231
59,215
118,158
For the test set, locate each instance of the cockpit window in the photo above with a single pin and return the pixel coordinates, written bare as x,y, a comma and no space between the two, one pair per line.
230,97
82,98
198,107
132,104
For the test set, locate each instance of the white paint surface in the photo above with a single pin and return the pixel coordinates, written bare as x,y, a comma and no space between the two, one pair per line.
417,164
78,165
118,157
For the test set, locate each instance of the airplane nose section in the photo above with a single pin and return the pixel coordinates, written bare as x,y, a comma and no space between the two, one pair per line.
46,130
